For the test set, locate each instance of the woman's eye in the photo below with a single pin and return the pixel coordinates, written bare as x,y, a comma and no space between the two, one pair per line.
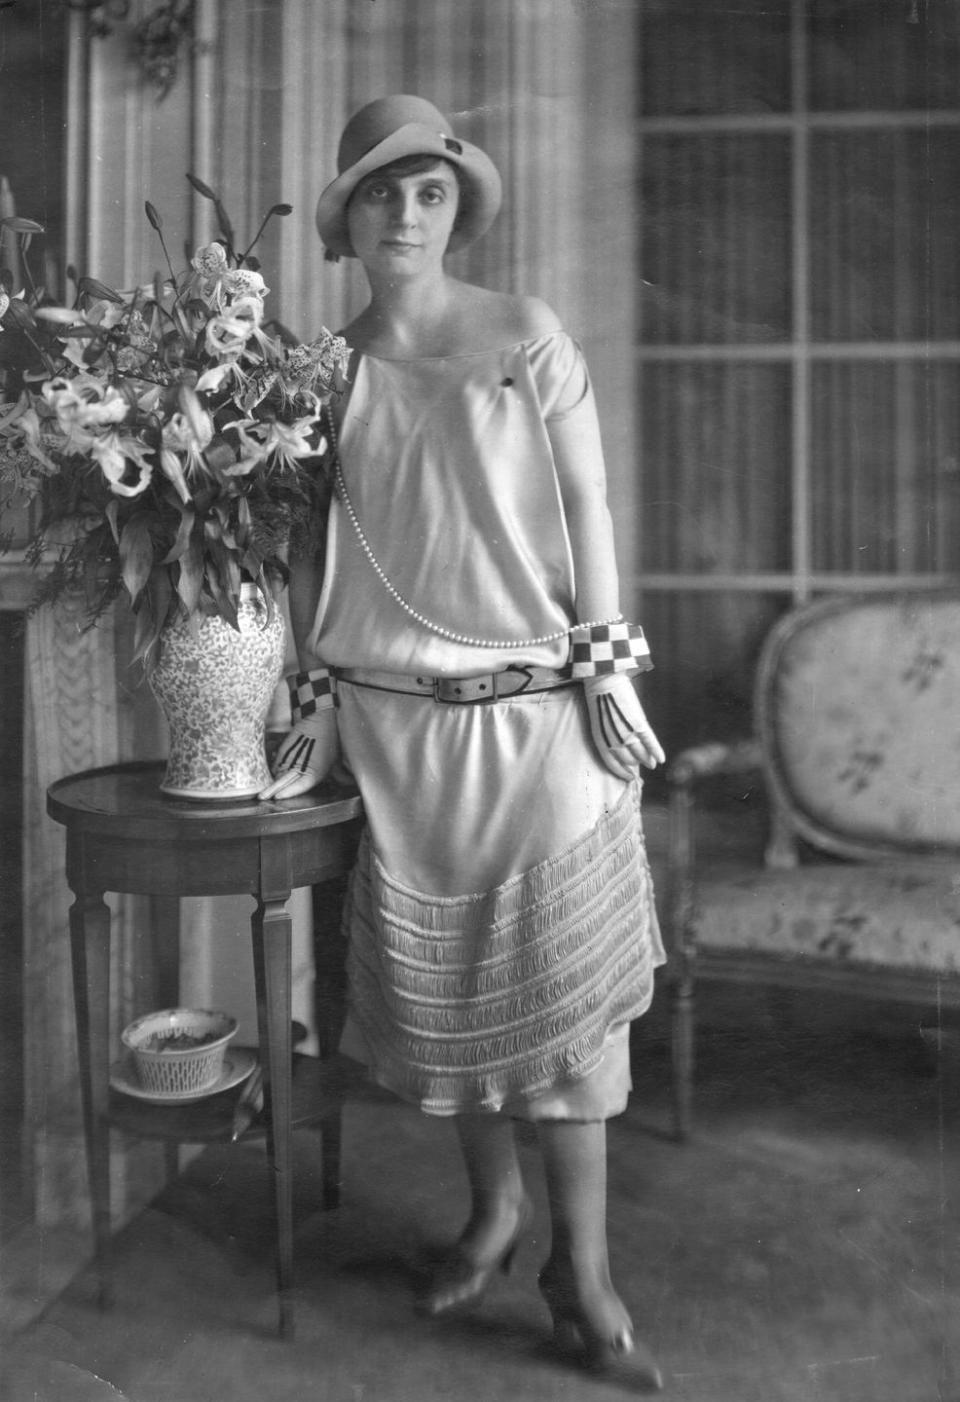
434,194
376,192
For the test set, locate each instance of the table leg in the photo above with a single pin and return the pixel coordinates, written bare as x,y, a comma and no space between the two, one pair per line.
90,949
165,930
272,958
329,959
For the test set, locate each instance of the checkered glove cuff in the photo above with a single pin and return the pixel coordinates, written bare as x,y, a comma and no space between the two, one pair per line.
601,649
310,692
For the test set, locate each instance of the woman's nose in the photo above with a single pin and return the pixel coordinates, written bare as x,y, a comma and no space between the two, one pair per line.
405,208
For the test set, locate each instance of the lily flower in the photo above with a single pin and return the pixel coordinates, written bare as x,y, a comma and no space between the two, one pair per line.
210,261
310,368
286,444
118,454
83,405
228,333
217,375
181,453
23,423
243,282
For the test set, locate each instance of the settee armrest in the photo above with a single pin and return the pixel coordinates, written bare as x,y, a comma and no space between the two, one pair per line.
690,767
711,760
685,772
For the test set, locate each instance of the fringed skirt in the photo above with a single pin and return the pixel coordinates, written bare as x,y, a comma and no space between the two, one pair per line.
500,916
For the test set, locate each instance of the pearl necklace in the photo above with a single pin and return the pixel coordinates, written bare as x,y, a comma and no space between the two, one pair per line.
398,598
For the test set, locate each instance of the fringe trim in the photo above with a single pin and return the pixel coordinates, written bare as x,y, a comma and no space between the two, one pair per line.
471,1000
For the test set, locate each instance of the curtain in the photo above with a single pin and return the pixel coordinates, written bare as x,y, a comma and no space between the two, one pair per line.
82,709
546,87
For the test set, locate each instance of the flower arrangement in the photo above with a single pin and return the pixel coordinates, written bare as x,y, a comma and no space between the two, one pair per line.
169,443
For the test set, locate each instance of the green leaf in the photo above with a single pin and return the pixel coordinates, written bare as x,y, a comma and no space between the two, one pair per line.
226,228
81,332
152,612
190,577
16,225
179,546
226,606
161,596
19,314
136,555
144,636
200,187
90,286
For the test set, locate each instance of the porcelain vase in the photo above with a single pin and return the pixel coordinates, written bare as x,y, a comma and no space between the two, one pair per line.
215,684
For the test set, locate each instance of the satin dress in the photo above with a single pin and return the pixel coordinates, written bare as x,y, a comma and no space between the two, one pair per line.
501,920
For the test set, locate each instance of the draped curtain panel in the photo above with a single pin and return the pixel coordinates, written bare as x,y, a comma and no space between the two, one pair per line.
546,87
82,709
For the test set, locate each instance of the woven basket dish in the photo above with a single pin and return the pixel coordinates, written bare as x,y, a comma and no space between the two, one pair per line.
179,1051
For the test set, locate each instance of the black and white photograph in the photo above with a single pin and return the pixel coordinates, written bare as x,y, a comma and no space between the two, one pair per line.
479,695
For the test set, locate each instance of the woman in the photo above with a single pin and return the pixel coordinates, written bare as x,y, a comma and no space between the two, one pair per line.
462,651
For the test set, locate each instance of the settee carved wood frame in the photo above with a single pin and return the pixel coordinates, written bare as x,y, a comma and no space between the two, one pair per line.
800,833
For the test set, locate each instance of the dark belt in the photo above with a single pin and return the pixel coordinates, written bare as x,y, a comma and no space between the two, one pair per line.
460,691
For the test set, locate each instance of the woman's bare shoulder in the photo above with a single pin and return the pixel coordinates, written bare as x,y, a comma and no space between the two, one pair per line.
503,318
474,319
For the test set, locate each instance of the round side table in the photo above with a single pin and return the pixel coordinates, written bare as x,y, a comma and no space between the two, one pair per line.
123,835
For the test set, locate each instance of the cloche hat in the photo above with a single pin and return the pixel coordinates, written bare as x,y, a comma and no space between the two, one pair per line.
386,130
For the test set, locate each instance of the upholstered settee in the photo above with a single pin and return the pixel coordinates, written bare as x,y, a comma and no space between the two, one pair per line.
855,882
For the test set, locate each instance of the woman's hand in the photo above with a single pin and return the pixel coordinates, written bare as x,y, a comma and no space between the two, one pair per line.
306,755
621,731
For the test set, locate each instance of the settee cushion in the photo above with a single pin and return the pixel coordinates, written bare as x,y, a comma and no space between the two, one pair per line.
902,914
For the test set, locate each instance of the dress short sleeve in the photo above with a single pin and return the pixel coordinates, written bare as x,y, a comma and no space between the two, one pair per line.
560,374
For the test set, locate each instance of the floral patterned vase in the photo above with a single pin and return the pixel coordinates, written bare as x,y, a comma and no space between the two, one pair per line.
215,685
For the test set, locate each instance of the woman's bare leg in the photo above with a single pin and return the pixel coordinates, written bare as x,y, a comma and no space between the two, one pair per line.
589,1316
575,1166
500,1210
498,1197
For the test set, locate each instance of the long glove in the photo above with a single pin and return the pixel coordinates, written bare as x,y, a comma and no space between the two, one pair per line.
620,730
311,746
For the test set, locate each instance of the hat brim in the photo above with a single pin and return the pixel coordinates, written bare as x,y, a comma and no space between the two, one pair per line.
481,177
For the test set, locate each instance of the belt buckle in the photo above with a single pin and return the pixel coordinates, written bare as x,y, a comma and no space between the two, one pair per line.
445,699
441,699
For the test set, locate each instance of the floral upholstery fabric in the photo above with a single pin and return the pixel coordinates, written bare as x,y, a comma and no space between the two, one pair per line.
901,914
862,720
858,706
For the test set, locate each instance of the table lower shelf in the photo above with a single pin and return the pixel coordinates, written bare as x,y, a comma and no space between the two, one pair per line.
319,1090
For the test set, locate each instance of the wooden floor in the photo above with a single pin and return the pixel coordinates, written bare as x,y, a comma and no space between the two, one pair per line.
805,1245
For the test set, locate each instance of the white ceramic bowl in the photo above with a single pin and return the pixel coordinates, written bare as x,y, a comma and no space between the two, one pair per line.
179,1050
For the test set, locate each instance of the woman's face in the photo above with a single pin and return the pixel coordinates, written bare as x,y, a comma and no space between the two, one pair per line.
402,223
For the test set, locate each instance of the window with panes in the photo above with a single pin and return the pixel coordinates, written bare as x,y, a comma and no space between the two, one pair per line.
798,351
